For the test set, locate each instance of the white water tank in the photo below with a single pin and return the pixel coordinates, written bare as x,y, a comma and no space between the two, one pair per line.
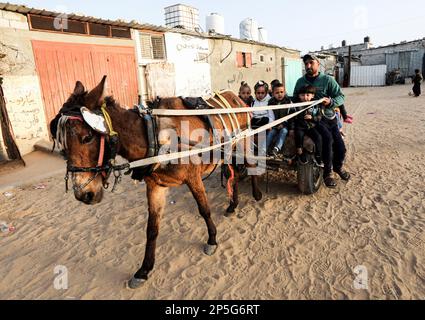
182,16
263,35
249,29
215,23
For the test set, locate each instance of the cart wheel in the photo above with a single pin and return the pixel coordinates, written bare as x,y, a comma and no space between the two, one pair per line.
310,175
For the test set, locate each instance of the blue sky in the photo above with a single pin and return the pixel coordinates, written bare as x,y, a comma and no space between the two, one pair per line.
305,25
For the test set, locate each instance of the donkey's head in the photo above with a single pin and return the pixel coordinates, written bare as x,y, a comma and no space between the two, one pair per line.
80,131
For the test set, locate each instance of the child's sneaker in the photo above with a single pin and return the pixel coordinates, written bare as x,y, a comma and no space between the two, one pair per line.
276,152
319,162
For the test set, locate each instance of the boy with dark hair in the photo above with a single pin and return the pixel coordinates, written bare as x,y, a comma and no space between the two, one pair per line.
279,133
273,84
306,123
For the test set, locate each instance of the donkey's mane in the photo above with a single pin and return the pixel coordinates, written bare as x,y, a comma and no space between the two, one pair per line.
72,108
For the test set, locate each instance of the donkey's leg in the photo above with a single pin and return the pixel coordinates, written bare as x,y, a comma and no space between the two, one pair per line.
234,201
156,201
197,188
256,192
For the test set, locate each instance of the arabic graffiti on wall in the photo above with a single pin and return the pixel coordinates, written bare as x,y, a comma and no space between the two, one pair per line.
25,109
192,70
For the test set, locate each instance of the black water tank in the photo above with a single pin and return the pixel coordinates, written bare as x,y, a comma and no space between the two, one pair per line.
344,43
367,40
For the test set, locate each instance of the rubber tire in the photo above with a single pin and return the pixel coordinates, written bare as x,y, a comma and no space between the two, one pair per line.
309,175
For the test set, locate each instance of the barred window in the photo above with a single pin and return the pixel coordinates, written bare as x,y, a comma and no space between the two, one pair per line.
158,47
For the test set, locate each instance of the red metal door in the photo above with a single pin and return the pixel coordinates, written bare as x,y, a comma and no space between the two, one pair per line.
61,65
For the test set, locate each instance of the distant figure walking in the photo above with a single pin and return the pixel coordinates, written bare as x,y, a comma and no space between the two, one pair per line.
417,79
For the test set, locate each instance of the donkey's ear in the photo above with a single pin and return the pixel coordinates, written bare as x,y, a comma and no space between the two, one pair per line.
95,97
79,89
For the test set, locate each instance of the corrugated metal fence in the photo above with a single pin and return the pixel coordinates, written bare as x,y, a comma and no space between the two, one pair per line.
406,62
368,76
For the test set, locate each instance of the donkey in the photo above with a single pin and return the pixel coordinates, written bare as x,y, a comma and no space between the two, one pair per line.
81,146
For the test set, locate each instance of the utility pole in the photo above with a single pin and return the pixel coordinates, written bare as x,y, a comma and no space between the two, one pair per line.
349,67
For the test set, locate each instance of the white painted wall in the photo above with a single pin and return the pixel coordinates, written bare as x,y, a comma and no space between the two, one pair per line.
160,79
25,108
193,75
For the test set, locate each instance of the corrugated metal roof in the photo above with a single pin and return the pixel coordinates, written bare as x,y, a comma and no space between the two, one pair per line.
133,24
118,23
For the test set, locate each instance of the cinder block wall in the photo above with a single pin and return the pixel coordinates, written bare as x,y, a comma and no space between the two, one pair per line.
20,82
13,20
225,73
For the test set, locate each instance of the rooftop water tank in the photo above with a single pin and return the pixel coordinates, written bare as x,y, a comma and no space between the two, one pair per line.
215,23
249,29
182,16
263,35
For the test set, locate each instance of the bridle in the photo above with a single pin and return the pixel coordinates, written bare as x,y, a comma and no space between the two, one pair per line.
105,165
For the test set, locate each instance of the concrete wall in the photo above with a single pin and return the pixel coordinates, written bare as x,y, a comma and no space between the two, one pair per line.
408,46
13,20
378,56
225,73
354,48
192,70
21,83
373,59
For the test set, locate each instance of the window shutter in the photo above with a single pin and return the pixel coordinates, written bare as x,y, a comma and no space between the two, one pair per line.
239,59
145,42
248,60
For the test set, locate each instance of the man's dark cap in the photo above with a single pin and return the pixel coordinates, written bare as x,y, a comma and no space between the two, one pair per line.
310,56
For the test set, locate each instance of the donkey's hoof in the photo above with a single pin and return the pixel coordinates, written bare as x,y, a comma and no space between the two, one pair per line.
135,283
258,196
209,250
230,211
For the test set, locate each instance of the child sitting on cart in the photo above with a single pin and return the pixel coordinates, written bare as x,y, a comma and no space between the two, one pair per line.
261,118
245,94
306,123
277,136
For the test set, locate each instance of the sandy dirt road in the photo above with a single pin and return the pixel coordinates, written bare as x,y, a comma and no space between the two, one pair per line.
286,247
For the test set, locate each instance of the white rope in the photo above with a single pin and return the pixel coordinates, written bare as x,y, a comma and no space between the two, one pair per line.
242,135
206,112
